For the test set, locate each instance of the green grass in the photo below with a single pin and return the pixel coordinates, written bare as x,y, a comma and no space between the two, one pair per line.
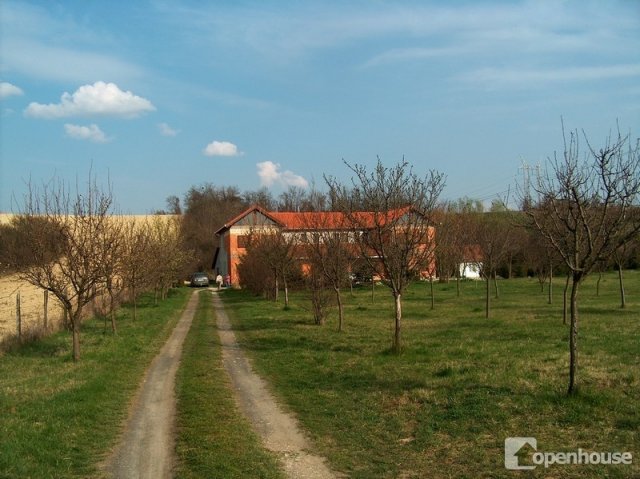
463,383
60,419
214,440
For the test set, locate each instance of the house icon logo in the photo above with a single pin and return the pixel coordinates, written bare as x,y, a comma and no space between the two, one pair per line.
517,450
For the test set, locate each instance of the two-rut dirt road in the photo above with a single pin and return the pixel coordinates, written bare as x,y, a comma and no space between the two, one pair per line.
146,449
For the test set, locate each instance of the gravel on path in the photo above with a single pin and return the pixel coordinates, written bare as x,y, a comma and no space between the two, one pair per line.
146,449
279,431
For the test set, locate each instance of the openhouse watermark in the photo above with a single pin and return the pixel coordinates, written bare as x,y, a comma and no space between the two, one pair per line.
521,453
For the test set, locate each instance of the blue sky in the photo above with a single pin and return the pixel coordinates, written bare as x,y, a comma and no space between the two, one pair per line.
159,96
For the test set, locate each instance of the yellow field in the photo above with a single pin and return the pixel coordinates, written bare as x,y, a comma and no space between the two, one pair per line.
32,298
31,308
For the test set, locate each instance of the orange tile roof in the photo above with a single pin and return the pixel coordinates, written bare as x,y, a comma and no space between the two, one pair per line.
310,220
314,220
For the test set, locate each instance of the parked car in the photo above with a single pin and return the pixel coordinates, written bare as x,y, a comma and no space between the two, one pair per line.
199,279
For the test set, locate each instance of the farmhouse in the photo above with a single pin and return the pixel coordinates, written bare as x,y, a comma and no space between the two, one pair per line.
234,235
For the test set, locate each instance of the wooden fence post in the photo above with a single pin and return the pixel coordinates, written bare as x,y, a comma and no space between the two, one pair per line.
18,317
46,310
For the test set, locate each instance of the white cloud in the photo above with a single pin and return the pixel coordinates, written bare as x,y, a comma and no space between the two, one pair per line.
166,130
91,133
7,89
411,54
221,148
270,174
99,99
47,43
527,78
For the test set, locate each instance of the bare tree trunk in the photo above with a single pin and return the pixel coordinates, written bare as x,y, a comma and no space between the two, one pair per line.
495,283
397,338
340,309
135,303
286,291
433,304
550,301
276,288
76,333
18,317
564,300
373,289
458,284
114,329
573,335
623,303
598,283
487,300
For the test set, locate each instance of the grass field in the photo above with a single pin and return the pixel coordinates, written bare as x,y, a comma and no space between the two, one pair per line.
60,419
463,384
441,409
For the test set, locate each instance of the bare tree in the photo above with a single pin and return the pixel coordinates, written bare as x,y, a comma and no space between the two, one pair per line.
292,199
68,245
330,252
620,257
584,206
168,256
205,209
540,257
112,265
173,205
136,259
254,272
269,257
453,238
390,211
261,197
320,295
492,234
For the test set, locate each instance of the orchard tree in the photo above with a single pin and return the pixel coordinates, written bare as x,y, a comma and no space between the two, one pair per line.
390,211
585,206
269,258
330,253
137,259
492,233
168,254
66,231
113,267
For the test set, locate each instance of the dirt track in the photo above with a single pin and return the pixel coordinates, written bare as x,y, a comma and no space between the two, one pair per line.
146,449
279,431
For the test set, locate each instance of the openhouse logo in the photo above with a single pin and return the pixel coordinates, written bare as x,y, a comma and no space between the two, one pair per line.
521,453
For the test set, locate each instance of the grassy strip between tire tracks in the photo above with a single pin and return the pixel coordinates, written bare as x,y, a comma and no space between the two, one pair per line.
464,383
213,440
60,419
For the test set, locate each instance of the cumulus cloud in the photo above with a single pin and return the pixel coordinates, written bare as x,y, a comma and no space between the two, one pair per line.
7,89
99,99
270,174
91,133
221,148
166,130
